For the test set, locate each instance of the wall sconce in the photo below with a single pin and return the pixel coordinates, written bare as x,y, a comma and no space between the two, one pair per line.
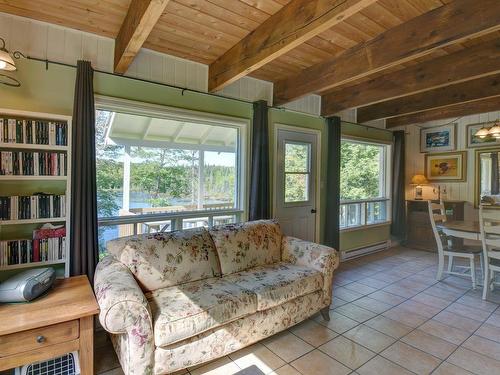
7,63
418,180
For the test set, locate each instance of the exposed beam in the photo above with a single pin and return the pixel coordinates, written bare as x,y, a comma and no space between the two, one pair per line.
456,110
470,63
291,26
443,26
463,92
141,17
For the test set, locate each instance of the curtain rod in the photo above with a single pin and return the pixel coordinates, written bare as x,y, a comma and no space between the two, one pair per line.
366,126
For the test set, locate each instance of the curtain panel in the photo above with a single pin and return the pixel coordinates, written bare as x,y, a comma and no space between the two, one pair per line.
259,200
398,225
84,251
331,230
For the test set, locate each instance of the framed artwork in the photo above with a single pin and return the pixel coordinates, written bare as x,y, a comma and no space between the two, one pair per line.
446,166
473,141
438,139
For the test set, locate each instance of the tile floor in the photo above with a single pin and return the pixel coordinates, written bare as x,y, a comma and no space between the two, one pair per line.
389,316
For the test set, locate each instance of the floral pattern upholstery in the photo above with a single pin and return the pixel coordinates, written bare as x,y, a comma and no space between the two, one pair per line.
318,257
161,260
126,313
245,245
236,335
277,283
186,310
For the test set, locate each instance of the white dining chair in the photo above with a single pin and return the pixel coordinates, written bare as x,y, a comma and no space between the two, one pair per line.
489,223
445,248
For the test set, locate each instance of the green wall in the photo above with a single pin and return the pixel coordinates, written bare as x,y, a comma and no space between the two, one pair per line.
51,90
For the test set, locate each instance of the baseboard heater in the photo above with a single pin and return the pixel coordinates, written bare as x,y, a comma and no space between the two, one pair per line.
360,251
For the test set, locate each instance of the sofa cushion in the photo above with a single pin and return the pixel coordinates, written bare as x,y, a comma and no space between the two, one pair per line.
245,245
160,260
183,311
277,283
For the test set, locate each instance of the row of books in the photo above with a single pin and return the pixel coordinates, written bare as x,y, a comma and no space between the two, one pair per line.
33,132
36,206
33,163
31,251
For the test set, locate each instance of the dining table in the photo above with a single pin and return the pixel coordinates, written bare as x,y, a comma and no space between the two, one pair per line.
464,229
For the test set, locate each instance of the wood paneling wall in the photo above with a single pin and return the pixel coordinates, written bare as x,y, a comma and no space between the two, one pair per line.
48,41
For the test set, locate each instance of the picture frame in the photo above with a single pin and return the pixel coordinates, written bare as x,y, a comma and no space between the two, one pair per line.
438,139
446,166
474,142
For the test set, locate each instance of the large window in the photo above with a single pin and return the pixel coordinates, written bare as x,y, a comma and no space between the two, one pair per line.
159,173
364,183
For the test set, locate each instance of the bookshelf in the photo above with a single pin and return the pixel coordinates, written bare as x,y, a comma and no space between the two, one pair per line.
51,180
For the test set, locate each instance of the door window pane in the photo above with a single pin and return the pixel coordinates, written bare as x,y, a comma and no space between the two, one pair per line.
296,187
297,157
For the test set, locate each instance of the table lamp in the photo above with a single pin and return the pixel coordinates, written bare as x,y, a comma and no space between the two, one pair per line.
418,180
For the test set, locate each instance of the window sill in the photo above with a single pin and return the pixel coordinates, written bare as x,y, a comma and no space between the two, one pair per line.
358,227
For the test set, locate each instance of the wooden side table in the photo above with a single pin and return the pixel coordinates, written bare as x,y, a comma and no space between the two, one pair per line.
60,322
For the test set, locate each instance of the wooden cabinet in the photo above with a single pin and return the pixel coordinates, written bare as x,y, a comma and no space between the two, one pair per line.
418,227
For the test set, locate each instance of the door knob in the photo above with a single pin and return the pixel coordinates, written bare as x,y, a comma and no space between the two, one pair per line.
313,211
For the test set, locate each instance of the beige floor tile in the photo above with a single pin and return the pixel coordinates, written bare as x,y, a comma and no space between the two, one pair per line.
489,332
369,338
222,366
453,335
420,308
360,288
477,302
494,320
430,300
404,316
286,370
259,356
449,369
400,291
474,362
336,302
370,281
384,277
381,366
346,294
469,312
318,363
388,326
483,346
430,344
105,359
442,293
388,298
355,312
338,322
457,321
287,346
411,358
372,304
347,352
116,371
313,333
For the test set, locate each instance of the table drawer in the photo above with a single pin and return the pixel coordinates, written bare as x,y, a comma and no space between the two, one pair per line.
37,338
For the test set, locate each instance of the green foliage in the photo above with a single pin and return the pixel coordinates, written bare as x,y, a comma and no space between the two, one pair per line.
359,171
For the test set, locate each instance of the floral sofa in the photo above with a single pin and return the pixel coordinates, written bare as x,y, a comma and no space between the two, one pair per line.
175,300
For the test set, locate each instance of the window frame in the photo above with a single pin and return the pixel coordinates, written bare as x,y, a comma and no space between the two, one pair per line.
385,179
242,125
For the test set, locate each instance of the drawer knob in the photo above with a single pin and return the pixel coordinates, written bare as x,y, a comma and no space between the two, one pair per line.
40,339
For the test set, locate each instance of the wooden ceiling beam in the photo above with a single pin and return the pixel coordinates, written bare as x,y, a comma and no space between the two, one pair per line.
291,26
141,17
443,26
463,92
455,110
470,63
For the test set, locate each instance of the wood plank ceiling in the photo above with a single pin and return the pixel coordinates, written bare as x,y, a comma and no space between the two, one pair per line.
204,30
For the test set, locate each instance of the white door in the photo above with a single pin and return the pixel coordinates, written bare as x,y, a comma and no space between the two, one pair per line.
295,183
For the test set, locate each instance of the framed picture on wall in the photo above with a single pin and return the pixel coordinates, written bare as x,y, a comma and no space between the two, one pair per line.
438,139
473,141
446,166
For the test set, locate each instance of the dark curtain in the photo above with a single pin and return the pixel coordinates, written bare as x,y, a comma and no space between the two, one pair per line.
494,174
259,205
83,244
331,231
398,226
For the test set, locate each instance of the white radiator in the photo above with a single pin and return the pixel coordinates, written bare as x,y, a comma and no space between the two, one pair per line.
355,253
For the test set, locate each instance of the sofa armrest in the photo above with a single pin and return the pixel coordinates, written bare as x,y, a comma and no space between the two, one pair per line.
319,257
124,310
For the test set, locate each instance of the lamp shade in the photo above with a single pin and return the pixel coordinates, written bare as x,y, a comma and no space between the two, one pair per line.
6,62
482,133
419,179
495,130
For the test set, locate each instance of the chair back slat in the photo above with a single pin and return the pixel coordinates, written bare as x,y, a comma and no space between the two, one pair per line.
437,217
490,229
493,242
489,223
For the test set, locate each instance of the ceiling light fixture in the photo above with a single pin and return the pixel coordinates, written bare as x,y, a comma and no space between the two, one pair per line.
492,131
6,61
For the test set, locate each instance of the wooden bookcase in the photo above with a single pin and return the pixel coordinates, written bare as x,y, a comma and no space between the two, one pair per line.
15,185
